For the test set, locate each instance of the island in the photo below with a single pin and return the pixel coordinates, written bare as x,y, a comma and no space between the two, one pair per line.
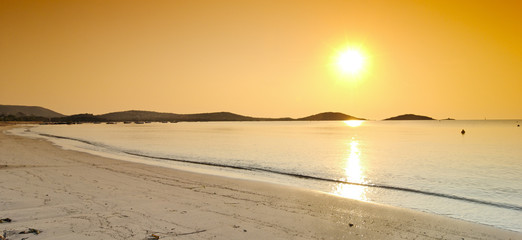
410,117
330,116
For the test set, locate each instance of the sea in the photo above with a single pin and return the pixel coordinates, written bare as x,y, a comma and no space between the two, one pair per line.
428,166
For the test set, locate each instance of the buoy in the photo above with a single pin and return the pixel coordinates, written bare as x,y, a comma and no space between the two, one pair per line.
462,132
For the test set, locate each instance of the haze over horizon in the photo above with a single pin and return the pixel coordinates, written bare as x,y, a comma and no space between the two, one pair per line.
458,59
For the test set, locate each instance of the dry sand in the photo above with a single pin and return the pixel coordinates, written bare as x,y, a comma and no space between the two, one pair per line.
73,195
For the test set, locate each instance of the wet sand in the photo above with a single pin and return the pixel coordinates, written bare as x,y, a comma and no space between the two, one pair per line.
73,195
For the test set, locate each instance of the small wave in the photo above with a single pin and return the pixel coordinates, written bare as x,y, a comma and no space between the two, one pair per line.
382,186
75,139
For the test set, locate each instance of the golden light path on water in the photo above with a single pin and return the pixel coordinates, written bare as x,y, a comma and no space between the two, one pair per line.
354,123
353,170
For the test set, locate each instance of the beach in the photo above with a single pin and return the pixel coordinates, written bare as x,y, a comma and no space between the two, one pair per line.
52,193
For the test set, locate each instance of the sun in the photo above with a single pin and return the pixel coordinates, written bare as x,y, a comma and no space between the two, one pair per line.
350,61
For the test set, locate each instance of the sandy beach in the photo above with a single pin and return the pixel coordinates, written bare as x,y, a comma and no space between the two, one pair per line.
50,193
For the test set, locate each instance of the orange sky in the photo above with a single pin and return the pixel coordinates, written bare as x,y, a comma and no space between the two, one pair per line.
460,59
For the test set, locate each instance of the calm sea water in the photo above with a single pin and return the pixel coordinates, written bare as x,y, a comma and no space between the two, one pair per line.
423,165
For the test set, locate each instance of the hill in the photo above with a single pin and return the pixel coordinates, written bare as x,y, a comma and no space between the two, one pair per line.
28,111
80,118
217,116
134,115
31,113
156,116
410,117
329,116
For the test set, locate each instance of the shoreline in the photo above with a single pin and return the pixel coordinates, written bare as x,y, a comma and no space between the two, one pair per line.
67,194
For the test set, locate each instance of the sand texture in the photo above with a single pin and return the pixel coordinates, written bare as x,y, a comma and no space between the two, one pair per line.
50,193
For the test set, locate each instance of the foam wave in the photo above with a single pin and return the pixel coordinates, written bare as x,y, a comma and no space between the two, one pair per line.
297,175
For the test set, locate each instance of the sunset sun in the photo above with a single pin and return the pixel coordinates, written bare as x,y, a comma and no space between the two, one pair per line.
350,61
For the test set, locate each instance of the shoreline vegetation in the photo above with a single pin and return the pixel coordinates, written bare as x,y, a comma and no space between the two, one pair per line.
48,192
39,114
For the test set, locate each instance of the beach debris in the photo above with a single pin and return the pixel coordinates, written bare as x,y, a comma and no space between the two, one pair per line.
5,220
152,237
235,226
183,234
10,234
350,224
155,235
463,132
31,230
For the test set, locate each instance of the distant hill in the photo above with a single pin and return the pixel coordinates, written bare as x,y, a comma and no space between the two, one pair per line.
85,117
134,115
410,117
217,116
330,116
156,116
28,111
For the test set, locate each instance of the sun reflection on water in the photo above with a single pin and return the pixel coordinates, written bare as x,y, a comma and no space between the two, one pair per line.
354,123
354,174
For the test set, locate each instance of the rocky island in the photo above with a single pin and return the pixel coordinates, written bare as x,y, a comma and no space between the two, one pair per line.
410,117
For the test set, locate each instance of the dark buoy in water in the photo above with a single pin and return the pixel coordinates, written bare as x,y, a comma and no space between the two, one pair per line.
462,132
